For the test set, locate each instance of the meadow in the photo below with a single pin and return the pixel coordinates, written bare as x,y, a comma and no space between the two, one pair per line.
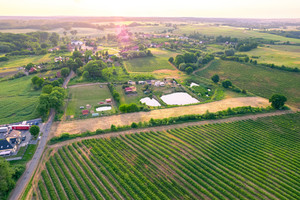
18,100
19,61
237,160
278,54
159,61
214,30
83,95
261,81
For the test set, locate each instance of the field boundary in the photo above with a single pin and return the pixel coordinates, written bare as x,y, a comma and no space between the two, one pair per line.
167,127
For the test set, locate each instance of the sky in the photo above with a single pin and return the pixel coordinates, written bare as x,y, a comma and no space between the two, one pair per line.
153,8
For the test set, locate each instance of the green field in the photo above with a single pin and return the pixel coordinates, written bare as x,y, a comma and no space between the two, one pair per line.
83,95
19,61
149,64
261,81
238,160
278,54
230,31
18,101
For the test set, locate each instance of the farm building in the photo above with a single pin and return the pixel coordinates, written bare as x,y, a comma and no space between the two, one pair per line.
14,136
6,148
85,112
32,69
108,100
131,82
129,90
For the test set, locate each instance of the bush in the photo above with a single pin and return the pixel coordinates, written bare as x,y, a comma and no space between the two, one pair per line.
226,83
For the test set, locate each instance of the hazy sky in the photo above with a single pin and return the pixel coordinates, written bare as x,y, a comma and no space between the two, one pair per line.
160,8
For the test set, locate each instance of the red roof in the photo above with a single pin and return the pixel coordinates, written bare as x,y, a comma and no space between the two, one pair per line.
85,112
32,69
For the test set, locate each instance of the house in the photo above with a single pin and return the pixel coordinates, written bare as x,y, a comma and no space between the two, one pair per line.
81,107
32,69
14,136
57,59
130,89
85,112
108,100
141,82
76,42
131,82
149,82
6,148
88,106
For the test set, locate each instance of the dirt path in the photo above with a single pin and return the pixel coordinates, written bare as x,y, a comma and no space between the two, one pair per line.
86,84
203,68
164,128
79,126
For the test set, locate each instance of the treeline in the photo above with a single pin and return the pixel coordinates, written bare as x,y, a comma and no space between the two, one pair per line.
114,92
189,62
27,44
289,34
165,121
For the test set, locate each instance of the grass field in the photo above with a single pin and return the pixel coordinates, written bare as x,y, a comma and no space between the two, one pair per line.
83,95
261,81
278,54
18,101
19,61
231,31
130,98
27,155
238,160
159,61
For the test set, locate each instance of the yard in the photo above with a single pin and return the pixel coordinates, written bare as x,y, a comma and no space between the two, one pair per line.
159,61
81,95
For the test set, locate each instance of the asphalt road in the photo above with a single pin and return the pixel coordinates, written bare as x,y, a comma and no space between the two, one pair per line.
32,165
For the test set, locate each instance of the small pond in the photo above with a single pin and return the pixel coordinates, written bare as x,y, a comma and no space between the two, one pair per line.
150,102
179,98
103,108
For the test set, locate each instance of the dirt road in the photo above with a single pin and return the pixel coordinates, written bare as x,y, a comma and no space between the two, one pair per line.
78,126
164,128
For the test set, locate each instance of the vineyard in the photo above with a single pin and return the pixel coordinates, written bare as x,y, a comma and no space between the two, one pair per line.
239,160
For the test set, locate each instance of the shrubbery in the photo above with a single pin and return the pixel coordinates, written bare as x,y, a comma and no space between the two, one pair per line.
165,121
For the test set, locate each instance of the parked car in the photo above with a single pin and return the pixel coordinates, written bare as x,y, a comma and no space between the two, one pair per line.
24,138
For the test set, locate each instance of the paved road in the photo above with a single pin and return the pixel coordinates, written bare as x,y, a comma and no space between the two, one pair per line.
167,127
32,165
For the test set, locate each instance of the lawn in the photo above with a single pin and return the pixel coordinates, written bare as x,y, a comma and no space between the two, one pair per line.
83,95
278,54
18,101
27,155
159,61
130,98
259,80
19,61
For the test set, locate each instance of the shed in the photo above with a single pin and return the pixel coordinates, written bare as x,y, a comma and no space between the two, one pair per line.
95,114
108,100
81,107
85,112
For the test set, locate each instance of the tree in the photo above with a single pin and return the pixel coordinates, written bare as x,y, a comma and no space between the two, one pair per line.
178,60
65,72
182,66
77,54
7,183
229,52
277,101
226,83
171,59
189,70
34,130
72,64
28,66
47,89
79,62
215,78
34,79
55,83
85,75
54,38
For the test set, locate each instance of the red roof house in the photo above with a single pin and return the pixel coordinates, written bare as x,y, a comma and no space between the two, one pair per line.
32,69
